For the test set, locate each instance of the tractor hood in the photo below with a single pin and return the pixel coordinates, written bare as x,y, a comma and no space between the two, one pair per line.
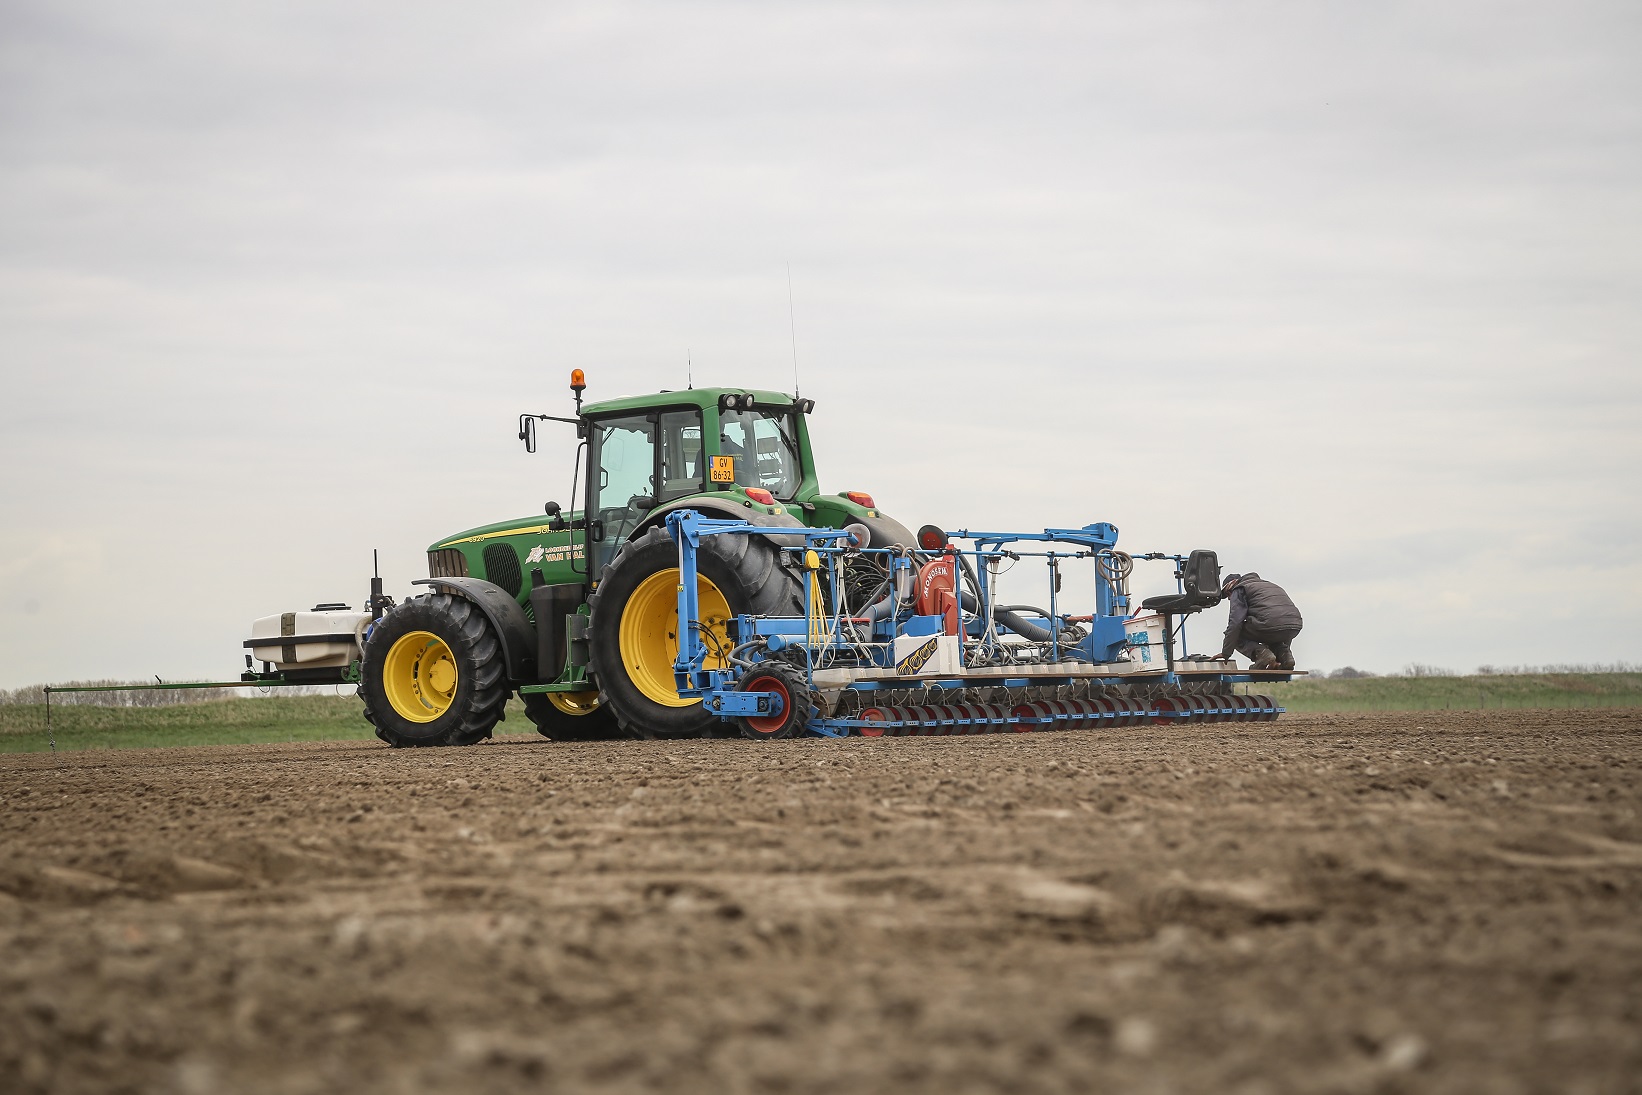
519,526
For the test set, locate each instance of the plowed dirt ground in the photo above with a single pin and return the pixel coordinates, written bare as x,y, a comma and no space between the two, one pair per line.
1429,902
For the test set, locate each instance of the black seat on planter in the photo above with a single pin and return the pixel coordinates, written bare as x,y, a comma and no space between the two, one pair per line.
1179,604
1201,578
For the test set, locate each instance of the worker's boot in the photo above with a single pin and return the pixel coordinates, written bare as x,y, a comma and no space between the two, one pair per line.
1285,655
1265,659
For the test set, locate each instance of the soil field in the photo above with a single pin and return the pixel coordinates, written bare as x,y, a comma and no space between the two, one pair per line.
1445,901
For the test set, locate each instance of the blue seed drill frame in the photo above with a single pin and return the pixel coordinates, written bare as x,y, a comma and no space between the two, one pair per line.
848,663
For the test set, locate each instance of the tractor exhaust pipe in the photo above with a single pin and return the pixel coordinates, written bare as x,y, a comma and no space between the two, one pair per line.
378,601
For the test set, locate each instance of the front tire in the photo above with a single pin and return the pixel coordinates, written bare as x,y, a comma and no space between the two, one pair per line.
633,635
433,674
571,716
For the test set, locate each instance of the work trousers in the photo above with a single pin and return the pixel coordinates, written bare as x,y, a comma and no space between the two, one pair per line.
1278,640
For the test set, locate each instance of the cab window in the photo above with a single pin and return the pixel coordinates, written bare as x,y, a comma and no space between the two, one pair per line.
626,460
680,454
765,449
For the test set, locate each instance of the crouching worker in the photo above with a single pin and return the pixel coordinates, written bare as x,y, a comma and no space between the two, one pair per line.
1262,624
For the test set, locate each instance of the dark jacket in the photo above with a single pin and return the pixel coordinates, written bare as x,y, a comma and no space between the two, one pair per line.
1260,607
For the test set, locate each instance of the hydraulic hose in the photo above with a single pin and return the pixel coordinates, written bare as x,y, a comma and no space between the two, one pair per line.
878,610
1018,624
1003,615
872,599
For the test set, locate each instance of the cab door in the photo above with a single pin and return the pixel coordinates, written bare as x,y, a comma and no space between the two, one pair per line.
638,461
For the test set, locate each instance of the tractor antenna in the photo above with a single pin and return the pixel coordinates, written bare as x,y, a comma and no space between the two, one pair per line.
792,325
689,370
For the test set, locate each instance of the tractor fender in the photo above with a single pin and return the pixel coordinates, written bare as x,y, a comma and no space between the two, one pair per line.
717,507
512,627
887,531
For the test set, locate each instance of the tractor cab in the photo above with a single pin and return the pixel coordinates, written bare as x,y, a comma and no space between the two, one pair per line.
737,452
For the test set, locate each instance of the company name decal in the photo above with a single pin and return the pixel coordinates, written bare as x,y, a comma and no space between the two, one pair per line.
541,554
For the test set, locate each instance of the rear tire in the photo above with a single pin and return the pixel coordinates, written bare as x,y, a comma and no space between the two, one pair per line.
433,674
590,723
633,630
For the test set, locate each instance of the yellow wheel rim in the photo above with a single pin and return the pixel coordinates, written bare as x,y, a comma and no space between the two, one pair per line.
574,703
649,634
420,677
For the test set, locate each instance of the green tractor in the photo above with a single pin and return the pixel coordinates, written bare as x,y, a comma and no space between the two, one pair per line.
578,612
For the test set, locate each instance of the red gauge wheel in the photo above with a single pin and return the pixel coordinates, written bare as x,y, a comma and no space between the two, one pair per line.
1084,714
794,716
872,714
1103,708
926,717
908,718
949,714
1169,709
1023,712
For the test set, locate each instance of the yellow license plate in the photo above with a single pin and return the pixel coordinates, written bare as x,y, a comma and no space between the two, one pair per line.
722,469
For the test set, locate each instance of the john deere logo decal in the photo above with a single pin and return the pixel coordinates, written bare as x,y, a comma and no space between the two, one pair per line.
916,660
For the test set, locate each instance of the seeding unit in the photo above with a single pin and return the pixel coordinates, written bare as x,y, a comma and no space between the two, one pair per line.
925,658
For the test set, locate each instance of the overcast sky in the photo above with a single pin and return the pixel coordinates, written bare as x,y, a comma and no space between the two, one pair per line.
1348,292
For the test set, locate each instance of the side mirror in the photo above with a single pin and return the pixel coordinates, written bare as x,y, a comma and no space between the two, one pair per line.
528,434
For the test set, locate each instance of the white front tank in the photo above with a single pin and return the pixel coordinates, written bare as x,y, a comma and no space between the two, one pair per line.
318,639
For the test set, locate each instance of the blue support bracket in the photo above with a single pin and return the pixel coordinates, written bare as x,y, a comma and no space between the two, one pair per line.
728,703
829,728
687,527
